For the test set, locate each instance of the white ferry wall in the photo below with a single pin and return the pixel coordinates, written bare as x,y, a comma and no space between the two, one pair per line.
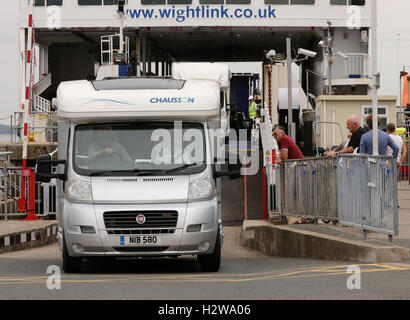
73,57
102,16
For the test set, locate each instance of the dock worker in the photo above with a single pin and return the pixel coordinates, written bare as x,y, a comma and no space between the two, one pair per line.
353,125
252,109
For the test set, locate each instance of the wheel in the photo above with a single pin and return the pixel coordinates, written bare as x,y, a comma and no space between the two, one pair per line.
212,262
70,264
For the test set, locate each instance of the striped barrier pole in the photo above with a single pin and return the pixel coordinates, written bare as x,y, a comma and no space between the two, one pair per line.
27,174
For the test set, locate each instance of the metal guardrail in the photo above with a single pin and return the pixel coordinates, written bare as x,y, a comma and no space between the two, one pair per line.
356,190
367,193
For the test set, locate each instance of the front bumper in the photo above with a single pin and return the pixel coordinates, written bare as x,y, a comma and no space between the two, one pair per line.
103,243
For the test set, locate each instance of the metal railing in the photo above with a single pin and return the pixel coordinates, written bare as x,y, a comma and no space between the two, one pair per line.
10,192
42,105
356,190
356,65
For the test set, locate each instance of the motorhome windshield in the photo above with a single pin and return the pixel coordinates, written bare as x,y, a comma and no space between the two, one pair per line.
166,148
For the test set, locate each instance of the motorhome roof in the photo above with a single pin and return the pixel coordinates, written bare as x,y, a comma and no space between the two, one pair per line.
137,83
138,98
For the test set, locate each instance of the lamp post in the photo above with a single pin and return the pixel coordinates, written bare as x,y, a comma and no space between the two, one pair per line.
289,71
374,77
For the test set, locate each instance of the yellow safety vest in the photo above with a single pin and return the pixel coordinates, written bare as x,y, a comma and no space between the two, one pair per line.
252,110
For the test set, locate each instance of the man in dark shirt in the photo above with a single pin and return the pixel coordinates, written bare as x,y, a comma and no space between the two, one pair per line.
353,124
288,148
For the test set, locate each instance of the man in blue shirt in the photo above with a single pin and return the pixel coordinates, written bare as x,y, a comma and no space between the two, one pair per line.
366,142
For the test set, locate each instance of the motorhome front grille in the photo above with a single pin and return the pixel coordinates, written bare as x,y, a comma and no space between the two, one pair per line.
140,219
144,231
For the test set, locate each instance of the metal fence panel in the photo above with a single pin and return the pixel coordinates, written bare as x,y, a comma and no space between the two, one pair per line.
367,193
308,188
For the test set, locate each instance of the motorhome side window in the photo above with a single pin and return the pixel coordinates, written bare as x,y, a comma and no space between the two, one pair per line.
142,148
42,3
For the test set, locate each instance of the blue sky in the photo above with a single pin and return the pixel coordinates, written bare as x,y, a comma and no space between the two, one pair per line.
393,20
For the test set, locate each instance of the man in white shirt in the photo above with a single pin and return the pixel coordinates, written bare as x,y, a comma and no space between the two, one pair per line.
398,140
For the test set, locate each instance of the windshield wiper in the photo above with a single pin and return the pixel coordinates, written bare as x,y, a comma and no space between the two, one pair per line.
135,171
185,166
147,172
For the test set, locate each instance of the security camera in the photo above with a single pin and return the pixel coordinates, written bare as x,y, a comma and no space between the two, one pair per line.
308,53
121,6
271,54
321,43
342,55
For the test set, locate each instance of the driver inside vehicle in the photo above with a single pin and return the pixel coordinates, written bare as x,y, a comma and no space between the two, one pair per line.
105,150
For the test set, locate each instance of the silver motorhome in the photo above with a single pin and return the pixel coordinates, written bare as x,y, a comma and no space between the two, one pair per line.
136,170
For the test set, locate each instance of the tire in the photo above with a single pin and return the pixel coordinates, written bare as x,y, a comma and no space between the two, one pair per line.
70,264
212,262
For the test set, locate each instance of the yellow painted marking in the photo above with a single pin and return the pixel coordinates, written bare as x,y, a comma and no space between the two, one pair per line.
259,276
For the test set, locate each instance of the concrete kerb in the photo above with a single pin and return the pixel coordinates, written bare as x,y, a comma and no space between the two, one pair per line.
25,235
284,241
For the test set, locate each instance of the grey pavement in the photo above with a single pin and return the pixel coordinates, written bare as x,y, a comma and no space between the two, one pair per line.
244,274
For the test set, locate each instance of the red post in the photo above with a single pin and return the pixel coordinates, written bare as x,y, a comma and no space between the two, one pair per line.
31,196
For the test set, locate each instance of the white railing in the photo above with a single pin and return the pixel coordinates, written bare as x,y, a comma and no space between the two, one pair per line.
356,65
110,45
41,104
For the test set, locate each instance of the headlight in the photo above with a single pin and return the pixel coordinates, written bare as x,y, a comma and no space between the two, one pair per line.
79,190
201,189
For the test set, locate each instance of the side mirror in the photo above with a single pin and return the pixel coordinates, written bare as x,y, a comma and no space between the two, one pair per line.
44,168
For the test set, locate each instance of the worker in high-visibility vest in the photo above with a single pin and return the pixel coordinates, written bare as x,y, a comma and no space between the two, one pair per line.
252,110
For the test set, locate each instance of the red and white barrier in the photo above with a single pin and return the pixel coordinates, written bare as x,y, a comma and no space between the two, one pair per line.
27,173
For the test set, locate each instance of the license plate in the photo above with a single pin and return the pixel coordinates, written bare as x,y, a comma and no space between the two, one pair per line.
140,240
